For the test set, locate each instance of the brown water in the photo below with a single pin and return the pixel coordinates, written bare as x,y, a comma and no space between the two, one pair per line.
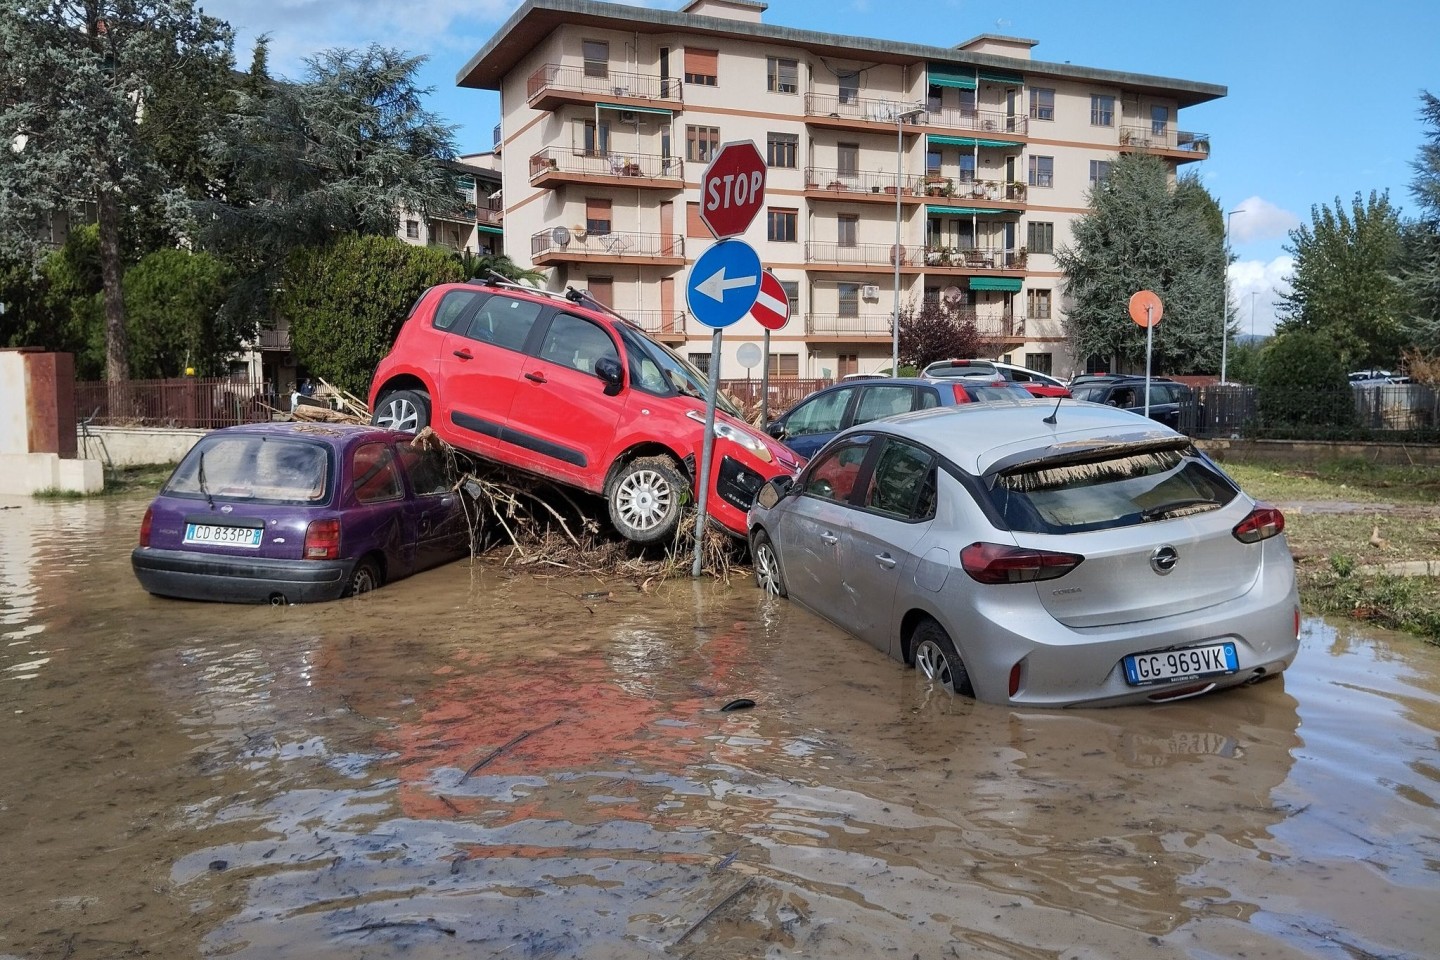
475,763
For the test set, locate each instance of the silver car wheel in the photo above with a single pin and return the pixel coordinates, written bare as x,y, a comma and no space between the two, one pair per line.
932,663
767,569
644,499
364,579
398,413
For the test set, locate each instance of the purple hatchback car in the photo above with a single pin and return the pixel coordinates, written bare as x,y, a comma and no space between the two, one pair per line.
299,512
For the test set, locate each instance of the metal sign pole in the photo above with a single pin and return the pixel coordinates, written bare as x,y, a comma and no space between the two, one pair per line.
1149,342
765,383
707,451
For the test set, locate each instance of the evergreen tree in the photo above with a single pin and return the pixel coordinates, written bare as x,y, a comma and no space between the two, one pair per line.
99,96
1346,282
1421,277
173,299
1143,234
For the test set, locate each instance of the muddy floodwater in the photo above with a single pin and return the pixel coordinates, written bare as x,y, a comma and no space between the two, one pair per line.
483,763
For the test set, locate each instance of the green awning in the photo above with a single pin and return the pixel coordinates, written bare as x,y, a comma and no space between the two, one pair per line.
936,140
629,109
1000,76
946,75
935,209
486,228
1007,284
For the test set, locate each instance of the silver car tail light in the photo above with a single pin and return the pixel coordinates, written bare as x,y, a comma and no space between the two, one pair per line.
997,563
1262,523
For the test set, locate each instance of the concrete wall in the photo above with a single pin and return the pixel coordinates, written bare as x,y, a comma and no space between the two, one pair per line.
1309,452
138,446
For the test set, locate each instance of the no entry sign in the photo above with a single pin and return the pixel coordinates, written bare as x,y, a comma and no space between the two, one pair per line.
772,307
732,188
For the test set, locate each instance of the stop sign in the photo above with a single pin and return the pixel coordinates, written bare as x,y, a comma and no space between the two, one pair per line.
732,188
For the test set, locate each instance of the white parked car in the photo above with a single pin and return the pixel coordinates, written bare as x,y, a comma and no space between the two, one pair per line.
1029,554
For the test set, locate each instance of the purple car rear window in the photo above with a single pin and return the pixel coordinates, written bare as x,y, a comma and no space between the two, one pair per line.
253,468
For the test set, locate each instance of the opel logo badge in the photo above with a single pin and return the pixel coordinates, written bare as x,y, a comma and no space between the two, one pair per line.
1163,560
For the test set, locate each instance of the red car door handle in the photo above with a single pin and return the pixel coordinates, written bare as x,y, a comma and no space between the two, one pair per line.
464,354
536,377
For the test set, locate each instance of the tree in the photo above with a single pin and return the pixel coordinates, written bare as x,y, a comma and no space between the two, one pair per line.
1142,234
1421,276
1346,282
1302,381
173,300
940,331
347,300
343,151
97,95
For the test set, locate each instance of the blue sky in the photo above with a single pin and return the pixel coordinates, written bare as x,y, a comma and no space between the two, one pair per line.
1323,96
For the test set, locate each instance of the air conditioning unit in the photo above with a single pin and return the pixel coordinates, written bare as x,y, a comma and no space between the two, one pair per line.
870,292
629,116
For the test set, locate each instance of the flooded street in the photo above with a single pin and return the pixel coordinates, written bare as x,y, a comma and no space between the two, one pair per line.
475,763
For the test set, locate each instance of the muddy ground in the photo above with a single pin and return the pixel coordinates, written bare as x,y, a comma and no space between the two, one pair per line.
475,763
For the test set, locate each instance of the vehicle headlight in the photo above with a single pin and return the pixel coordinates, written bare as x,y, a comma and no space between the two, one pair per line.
736,434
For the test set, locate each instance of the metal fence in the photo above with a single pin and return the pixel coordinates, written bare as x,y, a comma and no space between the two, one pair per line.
193,402
1409,412
784,393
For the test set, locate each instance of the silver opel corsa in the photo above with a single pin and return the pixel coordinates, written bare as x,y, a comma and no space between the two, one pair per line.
1045,554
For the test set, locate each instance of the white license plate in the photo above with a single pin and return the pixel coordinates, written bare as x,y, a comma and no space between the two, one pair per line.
1142,669
222,536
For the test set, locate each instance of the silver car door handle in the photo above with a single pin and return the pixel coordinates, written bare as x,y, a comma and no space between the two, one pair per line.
885,560
829,538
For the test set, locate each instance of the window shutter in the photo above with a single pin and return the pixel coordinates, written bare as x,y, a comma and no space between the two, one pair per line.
597,209
705,63
694,226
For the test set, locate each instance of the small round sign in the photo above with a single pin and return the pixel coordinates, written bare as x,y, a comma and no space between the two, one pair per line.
1146,308
749,355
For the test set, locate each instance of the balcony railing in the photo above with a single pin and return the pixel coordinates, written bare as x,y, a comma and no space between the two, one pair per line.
495,138
975,258
562,241
558,160
856,108
863,254
557,77
980,120
1144,137
492,214
859,181
657,322
275,339
838,325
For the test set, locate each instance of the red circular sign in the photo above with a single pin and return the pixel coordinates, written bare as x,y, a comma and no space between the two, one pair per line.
772,307
732,188
1146,308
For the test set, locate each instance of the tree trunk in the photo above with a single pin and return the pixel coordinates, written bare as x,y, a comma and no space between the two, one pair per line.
117,341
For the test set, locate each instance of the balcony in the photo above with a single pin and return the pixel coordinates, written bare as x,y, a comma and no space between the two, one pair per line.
825,183
492,214
566,245
278,340
872,326
556,165
982,121
666,327
1181,145
556,84
495,139
856,113
966,260
863,257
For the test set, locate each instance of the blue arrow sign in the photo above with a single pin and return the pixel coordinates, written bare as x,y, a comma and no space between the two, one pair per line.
724,283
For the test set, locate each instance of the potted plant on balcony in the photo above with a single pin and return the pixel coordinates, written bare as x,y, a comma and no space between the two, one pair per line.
1016,189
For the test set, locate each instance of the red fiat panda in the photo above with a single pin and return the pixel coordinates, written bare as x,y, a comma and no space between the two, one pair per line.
566,389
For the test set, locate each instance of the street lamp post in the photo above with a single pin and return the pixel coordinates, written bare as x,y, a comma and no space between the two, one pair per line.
1225,306
900,119
1253,295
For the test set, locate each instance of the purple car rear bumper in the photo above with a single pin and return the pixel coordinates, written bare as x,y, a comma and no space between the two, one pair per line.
192,576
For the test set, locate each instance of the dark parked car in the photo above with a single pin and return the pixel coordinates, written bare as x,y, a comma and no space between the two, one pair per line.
299,512
808,425
1168,399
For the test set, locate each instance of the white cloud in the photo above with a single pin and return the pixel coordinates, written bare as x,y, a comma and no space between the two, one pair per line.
1258,219
1257,285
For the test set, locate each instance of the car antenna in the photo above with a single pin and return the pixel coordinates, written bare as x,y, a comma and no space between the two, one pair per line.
1051,419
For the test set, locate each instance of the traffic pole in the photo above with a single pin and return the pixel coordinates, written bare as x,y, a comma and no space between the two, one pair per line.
765,383
1149,343
707,451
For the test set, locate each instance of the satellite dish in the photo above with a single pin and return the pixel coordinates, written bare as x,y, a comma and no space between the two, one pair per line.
952,294
560,235
579,231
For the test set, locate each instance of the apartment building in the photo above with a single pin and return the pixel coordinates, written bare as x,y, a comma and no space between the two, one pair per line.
473,224
964,166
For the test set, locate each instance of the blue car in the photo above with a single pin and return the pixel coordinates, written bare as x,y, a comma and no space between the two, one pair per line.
299,512
809,425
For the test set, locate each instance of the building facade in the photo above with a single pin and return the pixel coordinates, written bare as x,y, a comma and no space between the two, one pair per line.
962,166
473,225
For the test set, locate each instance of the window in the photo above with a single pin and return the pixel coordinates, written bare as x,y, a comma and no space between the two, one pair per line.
934,98
847,226
597,217
1042,171
597,58
376,477
1040,237
1159,120
427,469
823,414
849,299
781,75
792,295
849,85
596,140
847,159
702,67
576,343
780,149
504,322
781,225
694,226
701,143
1099,171
412,229
847,363
700,361
784,365
1040,362
833,477
933,162
1037,304
903,485
967,168
878,402
1102,110
1042,103
452,305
